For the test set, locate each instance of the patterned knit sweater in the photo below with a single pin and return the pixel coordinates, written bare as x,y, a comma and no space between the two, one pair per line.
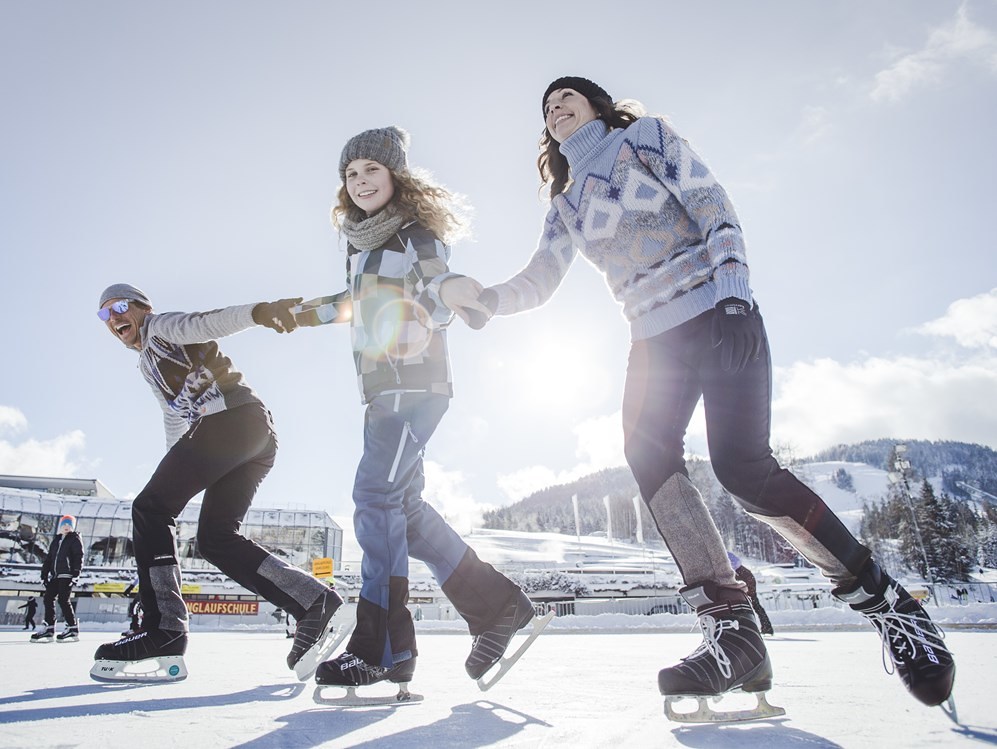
646,211
190,377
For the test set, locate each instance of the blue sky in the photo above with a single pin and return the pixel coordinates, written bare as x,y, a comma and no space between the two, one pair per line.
191,149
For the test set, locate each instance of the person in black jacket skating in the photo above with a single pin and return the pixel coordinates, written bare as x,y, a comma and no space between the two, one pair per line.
745,575
60,571
30,606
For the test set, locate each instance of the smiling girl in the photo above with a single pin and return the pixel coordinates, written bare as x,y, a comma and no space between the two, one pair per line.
399,226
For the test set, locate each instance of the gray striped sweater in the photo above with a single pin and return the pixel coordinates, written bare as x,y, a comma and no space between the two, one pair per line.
190,377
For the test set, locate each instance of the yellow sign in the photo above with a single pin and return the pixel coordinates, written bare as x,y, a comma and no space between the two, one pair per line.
109,587
223,607
322,567
190,588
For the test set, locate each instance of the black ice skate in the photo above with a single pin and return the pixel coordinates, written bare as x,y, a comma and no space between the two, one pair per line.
70,634
45,634
913,642
350,671
317,634
488,648
732,658
152,655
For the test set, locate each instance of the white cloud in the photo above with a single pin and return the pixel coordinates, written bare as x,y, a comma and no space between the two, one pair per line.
447,492
11,419
599,445
825,402
971,322
959,40
32,457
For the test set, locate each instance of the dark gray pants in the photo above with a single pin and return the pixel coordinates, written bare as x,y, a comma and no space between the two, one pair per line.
666,377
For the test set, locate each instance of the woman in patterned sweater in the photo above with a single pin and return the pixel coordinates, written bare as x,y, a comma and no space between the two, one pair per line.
631,194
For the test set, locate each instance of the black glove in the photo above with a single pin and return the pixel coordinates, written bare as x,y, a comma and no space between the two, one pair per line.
477,320
737,332
277,315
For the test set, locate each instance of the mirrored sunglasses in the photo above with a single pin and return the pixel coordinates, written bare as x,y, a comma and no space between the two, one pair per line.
120,306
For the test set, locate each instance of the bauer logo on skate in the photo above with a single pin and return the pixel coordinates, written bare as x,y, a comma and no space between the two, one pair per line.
223,607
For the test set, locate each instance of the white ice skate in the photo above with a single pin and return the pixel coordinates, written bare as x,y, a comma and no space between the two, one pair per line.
506,662
352,699
337,629
158,669
349,672
706,714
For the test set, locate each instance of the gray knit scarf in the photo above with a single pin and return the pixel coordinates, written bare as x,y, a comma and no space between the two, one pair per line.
372,232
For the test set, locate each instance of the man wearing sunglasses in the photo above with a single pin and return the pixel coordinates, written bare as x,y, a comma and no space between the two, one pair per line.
220,440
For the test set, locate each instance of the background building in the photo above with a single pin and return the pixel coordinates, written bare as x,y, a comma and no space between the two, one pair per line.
30,508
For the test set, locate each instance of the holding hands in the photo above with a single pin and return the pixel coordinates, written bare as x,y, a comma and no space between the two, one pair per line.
461,294
277,315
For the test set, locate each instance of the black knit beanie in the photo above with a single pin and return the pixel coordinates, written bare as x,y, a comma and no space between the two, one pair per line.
584,86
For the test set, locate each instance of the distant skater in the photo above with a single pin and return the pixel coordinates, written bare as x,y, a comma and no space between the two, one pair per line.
60,572
746,576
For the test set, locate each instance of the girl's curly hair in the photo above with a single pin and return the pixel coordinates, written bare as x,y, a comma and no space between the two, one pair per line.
446,214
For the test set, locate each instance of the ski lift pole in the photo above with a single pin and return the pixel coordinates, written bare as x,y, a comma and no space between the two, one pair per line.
903,466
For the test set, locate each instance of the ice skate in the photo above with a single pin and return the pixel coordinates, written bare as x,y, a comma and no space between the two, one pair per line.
45,634
489,647
912,641
70,634
154,655
351,672
317,634
732,658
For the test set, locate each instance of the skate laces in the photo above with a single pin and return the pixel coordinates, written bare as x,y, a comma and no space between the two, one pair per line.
902,634
713,629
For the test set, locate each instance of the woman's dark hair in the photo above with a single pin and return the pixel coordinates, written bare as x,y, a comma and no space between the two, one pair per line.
551,162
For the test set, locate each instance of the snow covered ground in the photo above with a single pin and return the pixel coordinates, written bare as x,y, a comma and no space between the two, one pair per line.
580,685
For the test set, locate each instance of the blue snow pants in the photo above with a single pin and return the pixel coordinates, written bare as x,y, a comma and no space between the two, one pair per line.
392,521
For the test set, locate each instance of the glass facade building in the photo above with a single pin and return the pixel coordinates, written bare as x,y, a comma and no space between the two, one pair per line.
30,509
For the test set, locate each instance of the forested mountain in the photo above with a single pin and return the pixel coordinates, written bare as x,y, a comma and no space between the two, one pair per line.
953,462
942,535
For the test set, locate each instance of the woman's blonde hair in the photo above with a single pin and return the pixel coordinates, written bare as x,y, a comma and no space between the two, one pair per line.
446,214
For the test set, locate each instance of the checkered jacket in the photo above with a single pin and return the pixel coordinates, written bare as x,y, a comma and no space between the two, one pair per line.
398,322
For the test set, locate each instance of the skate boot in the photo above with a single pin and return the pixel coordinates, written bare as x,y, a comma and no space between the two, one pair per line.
489,646
314,638
45,634
350,671
151,655
914,643
70,634
731,658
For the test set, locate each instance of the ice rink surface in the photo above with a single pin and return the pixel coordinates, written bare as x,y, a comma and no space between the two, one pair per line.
571,689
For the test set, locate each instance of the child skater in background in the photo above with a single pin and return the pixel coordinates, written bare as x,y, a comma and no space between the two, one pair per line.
399,226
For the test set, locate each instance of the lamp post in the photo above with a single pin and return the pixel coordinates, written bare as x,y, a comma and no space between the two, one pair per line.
902,466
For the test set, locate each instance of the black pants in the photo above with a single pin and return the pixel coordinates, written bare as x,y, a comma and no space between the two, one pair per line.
226,455
60,588
666,377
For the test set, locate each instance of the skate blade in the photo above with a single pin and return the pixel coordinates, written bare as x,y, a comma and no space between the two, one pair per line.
705,714
148,671
340,625
352,699
69,639
948,707
41,640
506,662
